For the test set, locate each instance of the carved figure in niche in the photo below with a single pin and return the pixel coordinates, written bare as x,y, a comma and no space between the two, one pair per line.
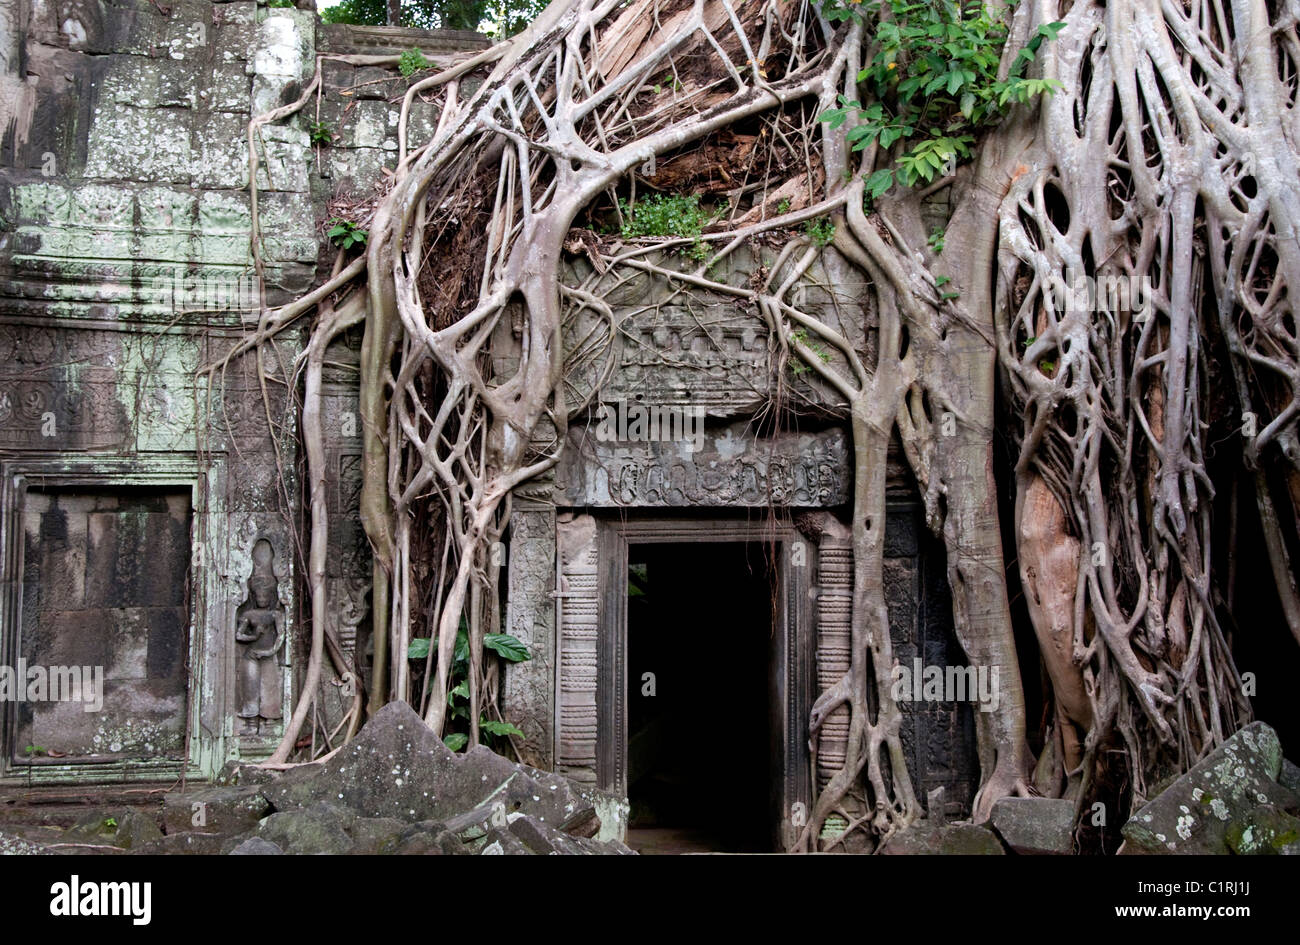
259,629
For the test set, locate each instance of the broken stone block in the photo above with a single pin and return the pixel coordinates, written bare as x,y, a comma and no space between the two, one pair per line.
314,830
1265,830
1193,814
256,846
11,845
241,772
185,844
376,835
946,840
1289,776
501,842
126,829
421,839
396,767
1035,825
224,810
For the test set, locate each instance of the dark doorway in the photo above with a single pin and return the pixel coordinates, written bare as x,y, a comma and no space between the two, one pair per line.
704,764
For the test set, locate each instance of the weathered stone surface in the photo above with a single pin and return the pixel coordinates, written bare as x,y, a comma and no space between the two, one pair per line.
127,829
219,810
397,767
185,844
237,772
1035,825
1265,830
947,840
1195,812
321,828
256,846
1289,776
729,468
397,789
11,845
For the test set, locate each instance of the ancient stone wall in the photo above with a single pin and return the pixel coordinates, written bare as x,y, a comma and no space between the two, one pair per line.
125,267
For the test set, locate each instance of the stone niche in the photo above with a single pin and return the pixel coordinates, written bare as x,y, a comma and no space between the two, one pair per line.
105,595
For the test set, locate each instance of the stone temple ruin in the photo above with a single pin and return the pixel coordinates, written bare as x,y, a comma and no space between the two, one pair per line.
151,521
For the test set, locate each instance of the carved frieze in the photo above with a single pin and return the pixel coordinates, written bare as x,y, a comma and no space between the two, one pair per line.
733,468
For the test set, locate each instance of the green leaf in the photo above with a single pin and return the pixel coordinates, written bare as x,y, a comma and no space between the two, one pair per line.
462,690
879,183
456,741
418,649
506,646
499,728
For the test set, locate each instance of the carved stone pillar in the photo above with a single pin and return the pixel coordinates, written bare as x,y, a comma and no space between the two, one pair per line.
834,632
528,689
577,606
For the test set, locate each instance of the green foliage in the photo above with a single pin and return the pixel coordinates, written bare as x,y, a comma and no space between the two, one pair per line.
935,240
499,729
33,750
412,61
667,215
932,83
663,215
345,234
669,81
783,207
820,230
499,18
505,646
320,132
797,366
279,3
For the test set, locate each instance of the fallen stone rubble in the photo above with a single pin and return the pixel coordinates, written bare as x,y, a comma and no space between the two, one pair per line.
395,789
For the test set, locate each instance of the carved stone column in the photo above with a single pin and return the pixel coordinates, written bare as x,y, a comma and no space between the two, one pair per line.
578,609
834,630
528,689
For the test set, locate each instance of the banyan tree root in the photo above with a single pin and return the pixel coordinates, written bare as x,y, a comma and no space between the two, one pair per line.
1155,214
1135,167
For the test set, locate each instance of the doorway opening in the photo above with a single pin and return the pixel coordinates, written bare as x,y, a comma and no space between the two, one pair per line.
704,721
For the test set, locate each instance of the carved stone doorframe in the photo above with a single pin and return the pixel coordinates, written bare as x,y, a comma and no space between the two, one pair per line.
592,685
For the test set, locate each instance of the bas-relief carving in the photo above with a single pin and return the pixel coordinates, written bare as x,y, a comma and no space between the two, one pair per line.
732,469
259,633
